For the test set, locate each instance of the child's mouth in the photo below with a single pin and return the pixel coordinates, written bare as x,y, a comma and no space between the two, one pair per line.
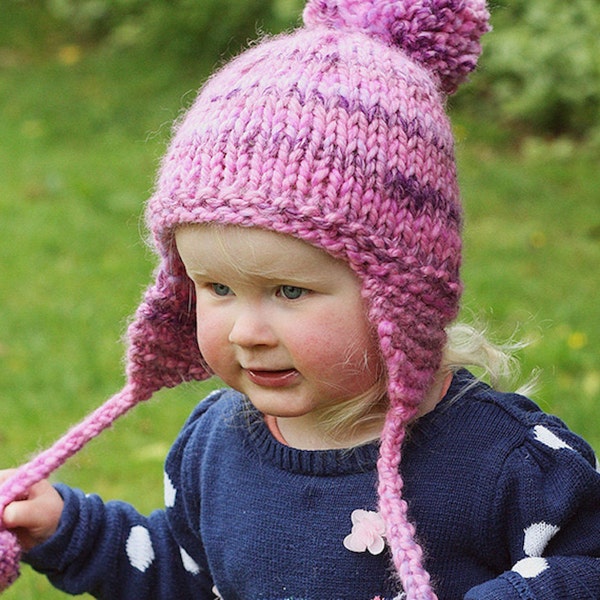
266,378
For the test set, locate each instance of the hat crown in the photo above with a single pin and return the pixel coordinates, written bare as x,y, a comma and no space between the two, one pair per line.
324,128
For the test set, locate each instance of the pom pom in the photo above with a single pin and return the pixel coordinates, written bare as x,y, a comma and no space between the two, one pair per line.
442,35
10,555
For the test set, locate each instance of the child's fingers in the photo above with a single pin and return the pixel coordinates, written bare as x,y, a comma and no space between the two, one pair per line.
12,516
38,507
21,513
24,514
35,518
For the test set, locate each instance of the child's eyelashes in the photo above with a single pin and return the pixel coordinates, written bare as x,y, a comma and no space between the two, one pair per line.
220,289
287,292
291,292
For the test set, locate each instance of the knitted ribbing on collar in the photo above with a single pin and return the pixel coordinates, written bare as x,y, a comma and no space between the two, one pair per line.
336,134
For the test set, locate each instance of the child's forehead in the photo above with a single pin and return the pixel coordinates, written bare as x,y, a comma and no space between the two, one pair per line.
253,250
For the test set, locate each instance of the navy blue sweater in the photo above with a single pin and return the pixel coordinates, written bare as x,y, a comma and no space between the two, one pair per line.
505,498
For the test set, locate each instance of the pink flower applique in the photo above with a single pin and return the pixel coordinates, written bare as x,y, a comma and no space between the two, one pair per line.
368,531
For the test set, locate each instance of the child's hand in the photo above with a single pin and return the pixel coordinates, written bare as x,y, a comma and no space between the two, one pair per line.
35,517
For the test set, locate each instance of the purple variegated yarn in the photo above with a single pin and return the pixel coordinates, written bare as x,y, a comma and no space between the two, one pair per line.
336,134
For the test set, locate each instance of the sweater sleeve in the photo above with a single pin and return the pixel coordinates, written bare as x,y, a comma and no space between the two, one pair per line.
548,503
111,551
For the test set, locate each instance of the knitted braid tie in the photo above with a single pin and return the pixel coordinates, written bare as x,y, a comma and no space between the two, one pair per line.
406,389
51,459
406,553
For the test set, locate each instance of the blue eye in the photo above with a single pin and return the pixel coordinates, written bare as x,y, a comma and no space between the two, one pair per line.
220,289
291,292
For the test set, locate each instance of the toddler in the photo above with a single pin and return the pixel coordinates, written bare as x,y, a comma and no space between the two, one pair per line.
307,220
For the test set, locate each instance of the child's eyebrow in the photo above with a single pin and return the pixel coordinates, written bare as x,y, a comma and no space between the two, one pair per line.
284,276
291,277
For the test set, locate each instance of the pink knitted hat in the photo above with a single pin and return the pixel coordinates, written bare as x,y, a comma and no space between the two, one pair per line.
335,134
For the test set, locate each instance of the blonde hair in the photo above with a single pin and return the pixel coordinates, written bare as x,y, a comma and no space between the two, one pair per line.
467,347
496,363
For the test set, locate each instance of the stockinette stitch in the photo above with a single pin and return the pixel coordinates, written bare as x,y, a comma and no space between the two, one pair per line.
336,134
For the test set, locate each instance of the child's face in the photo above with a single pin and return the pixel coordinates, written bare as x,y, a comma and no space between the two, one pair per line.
278,319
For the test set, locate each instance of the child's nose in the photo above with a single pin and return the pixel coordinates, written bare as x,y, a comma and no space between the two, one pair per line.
252,328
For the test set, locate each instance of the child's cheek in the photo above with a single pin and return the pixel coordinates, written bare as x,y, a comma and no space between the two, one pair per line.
212,342
339,350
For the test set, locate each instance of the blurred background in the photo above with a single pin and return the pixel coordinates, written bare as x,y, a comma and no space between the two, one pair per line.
88,92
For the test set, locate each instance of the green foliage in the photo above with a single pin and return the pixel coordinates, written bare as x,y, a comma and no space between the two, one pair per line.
184,28
541,66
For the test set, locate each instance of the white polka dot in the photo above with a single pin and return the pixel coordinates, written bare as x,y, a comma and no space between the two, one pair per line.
170,492
530,567
216,592
544,435
139,548
189,564
537,537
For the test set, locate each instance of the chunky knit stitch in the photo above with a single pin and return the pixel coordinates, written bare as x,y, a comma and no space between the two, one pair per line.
336,134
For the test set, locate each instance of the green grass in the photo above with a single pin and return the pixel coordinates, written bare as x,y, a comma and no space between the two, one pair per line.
532,250
81,138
